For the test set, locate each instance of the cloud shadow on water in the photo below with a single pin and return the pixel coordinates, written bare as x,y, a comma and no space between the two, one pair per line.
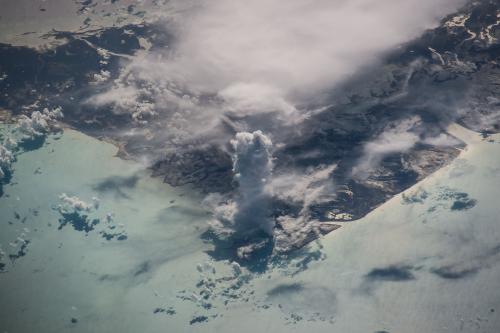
452,273
391,274
79,222
117,185
228,250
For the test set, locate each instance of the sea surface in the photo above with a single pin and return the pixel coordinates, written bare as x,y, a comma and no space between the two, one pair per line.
426,261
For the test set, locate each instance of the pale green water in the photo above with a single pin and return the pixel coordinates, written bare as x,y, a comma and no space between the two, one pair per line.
115,286
63,268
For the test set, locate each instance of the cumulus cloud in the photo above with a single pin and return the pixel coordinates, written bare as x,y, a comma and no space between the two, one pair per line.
82,216
252,162
72,204
27,129
39,124
101,77
248,211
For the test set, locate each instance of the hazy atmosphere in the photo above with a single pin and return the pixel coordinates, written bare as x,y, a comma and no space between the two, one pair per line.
265,166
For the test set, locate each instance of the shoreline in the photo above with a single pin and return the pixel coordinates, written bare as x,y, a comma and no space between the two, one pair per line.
471,139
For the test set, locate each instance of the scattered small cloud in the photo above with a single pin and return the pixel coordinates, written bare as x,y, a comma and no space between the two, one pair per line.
83,216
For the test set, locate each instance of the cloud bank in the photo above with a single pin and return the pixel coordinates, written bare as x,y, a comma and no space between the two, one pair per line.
250,57
292,49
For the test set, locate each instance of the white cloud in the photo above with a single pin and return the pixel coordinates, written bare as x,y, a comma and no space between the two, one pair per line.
253,98
442,140
307,189
248,57
397,138
235,62
296,46
252,161
39,124
73,204
248,211
101,77
6,160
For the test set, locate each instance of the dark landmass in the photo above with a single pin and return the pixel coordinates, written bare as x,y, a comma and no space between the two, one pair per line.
450,74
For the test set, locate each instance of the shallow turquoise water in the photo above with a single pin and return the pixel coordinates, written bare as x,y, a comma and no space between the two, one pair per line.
65,269
376,274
